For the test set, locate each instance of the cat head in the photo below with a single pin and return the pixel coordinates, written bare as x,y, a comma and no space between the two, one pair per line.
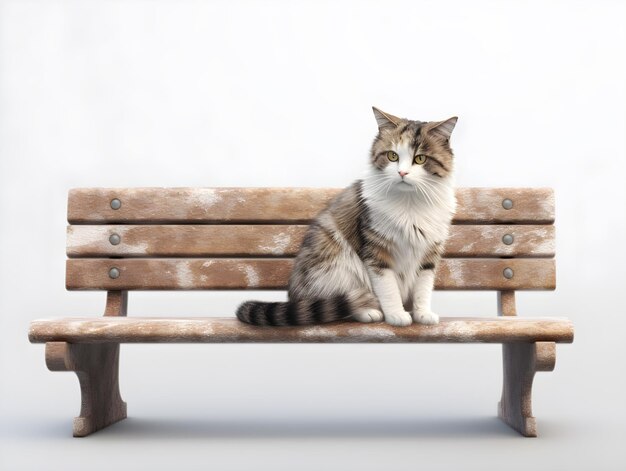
410,154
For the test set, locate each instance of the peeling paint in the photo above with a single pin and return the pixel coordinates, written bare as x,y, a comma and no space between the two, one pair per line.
205,198
280,242
318,331
468,247
457,274
184,275
252,277
455,330
136,248
371,332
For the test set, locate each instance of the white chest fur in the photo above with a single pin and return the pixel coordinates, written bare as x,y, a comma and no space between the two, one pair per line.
414,223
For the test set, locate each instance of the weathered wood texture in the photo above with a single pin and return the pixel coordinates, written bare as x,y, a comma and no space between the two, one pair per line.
96,366
530,205
282,240
117,303
229,330
190,274
520,361
280,205
506,303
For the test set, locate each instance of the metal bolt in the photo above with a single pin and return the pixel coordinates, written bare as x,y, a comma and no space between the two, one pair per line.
507,203
508,273
114,273
507,239
116,204
115,239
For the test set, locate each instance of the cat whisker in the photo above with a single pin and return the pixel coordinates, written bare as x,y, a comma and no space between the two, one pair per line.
376,185
434,193
427,197
388,187
440,200
380,186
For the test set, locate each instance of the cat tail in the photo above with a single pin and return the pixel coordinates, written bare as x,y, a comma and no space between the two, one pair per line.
298,312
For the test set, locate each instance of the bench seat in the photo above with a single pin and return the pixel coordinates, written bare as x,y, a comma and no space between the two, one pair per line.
230,330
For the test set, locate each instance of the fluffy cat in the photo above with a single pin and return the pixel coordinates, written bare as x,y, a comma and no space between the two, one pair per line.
371,255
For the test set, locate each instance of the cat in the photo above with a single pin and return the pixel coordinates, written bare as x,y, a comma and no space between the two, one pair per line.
371,255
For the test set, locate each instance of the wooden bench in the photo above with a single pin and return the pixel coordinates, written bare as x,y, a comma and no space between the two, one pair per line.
228,238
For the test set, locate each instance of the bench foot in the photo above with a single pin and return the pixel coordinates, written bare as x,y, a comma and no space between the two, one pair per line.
96,366
520,362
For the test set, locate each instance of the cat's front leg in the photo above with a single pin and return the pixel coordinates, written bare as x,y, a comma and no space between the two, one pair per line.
386,290
422,295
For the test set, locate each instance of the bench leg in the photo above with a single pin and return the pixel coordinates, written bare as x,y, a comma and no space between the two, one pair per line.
96,366
520,361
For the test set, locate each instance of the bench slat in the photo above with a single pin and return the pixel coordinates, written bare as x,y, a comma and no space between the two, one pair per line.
188,274
280,205
282,240
230,330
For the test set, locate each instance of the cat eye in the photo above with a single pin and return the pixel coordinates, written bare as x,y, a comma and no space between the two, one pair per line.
392,156
419,159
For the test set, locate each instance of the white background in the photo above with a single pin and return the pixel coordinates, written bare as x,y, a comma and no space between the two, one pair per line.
278,93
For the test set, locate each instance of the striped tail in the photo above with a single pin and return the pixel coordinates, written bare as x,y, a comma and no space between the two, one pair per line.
301,312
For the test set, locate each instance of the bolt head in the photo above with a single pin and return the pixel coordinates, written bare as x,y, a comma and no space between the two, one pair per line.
508,273
116,203
115,239
507,203
114,273
507,239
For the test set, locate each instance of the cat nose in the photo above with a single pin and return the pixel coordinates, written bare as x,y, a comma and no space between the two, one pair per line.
402,174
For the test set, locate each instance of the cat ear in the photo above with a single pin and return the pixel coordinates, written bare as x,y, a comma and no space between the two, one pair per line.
443,128
385,120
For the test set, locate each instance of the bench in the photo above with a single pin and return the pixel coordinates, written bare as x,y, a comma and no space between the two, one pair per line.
119,240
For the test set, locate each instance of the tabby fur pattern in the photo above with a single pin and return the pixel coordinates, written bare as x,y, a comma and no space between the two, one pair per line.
371,255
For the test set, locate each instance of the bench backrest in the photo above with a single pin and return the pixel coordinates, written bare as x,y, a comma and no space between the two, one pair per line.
246,238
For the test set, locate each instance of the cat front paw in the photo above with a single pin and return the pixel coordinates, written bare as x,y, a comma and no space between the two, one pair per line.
426,317
368,315
400,318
